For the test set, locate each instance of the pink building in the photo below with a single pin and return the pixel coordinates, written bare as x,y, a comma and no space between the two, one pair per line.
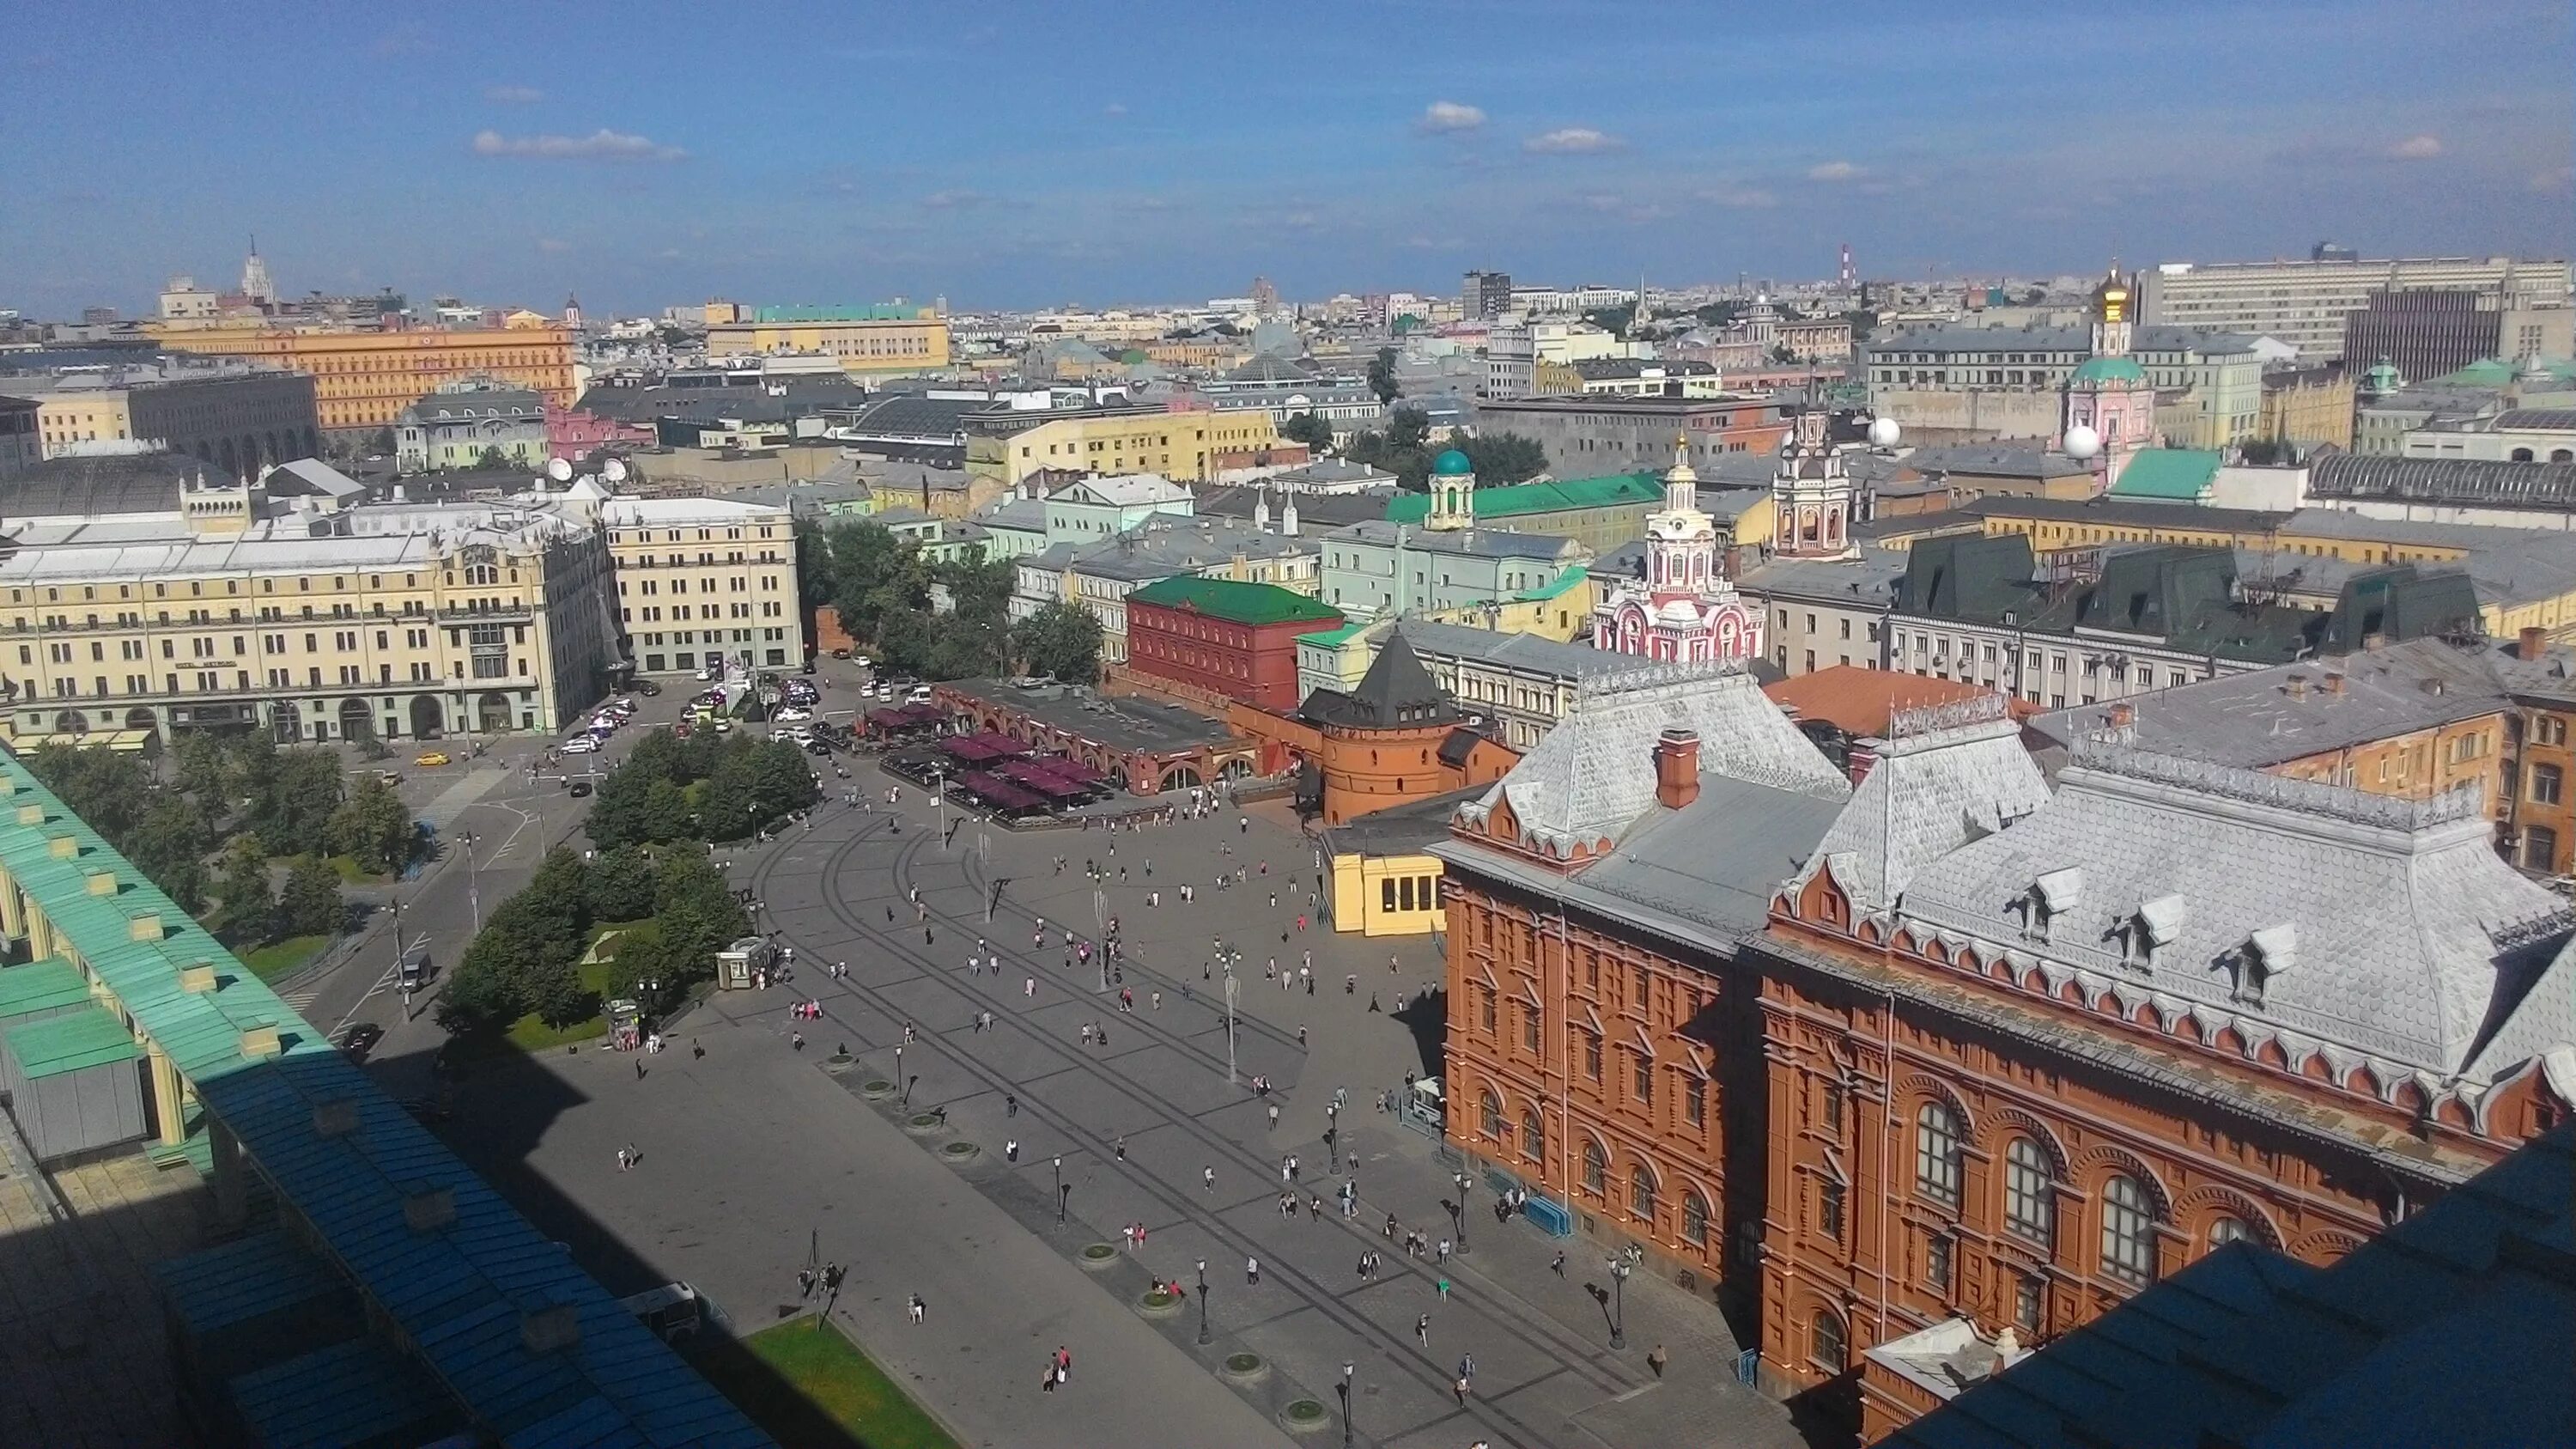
2110,411
1684,611
574,435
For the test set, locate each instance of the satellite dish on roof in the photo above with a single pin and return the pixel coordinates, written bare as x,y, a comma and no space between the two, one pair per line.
614,470
2082,442
559,470
1883,432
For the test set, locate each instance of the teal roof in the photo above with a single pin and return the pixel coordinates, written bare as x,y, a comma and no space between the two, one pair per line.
1519,499
359,1392
1563,582
2109,369
1451,463
1329,638
243,1280
41,986
67,1043
2180,474
457,1293
873,312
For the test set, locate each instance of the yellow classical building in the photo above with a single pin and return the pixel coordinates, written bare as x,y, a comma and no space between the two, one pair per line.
362,380
1185,447
1384,882
882,339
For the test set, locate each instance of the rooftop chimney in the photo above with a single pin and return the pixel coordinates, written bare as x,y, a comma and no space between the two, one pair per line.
554,1326
2124,716
426,1209
2534,639
2333,682
1676,768
2298,686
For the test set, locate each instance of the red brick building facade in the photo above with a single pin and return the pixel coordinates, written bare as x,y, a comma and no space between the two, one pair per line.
1234,639
1998,1058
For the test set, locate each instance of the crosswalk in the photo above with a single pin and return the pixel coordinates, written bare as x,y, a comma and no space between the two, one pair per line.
301,1001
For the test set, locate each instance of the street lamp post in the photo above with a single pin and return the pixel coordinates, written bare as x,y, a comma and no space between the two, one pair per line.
1464,1183
1229,1026
1062,1192
1203,1328
1348,1368
1619,1271
473,883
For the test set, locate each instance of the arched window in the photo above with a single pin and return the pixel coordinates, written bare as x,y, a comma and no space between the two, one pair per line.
1492,1109
1936,1154
2128,1232
1825,1340
1533,1135
2030,1193
1695,1218
1641,1193
1596,1169
2226,1230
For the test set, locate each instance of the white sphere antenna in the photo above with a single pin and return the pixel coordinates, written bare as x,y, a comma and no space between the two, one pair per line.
614,470
2082,443
559,470
1883,432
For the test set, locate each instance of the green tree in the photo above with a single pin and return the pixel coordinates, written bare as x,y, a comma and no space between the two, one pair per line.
1613,319
492,458
310,903
1308,429
292,802
621,885
650,959
1407,428
1863,322
1718,314
373,827
1061,639
169,846
203,768
247,907
554,992
1504,458
1381,377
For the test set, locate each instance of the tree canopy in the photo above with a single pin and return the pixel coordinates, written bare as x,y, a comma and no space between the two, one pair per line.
882,587
1308,429
1061,639
706,787
1405,448
527,956
1381,376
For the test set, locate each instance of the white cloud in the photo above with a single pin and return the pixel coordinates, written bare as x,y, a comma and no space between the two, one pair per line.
954,200
1435,244
1747,198
2416,148
514,95
1114,108
553,244
1834,171
1571,141
1440,116
599,145
2547,182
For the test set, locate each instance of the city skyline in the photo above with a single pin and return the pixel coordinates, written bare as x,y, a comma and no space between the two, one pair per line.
1116,156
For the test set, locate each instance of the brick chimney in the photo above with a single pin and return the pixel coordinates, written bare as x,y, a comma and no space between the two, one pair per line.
2534,639
1676,768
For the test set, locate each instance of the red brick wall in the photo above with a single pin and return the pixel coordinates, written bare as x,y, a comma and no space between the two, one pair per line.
1255,663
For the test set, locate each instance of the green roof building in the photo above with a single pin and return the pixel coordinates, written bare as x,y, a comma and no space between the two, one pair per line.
1602,513
2168,475
1223,637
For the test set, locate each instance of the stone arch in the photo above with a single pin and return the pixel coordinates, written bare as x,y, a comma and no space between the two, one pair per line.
2228,1040
1238,768
1642,1172
2324,1247
1181,777
356,719
492,712
2014,1122
2365,1081
2096,1165
2195,1210
228,458
286,721
1919,1088
140,718
428,717
2187,1026
71,722
2272,1054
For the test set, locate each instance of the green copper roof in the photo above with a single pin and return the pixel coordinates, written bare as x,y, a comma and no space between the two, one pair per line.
58,1044
45,985
1525,498
2181,474
1331,638
1451,463
1564,581
2109,369
1234,601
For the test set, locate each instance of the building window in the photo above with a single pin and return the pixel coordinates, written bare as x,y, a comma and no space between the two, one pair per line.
2030,1194
1592,1056
1695,1099
1529,1027
1829,1210
1833,1109
1825,1341
2546,783
1936,1154
1694,1218
1937,1255
2128,1232
2539,848
2028,1304
1533,1135
1491,1107
1596,1169
1486,1009
2226,1230
1645,1070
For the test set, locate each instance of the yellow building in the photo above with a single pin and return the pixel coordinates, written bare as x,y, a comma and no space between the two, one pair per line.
883,339
68,418
2307,407
1384,884
1181,446
702,581
212,605
364,379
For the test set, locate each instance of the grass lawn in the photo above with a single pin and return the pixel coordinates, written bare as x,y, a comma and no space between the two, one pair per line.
271,962
806,1384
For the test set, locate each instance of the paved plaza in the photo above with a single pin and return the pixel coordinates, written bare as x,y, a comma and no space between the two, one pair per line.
757,1154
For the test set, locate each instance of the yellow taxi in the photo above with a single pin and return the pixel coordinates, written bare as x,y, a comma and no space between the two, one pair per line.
433,759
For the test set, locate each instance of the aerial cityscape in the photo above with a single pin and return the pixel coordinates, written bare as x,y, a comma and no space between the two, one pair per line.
1436,726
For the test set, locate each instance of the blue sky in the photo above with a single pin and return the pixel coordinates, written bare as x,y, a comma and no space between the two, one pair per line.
1009,154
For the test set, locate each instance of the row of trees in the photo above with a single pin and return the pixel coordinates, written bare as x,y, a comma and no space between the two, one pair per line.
706,787
527,957
1406,450
882,587
231,804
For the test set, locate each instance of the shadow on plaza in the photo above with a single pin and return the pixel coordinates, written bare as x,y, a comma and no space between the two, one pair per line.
1427,1019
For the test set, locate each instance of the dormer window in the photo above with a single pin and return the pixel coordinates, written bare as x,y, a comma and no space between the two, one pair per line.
2266,954
2154,927
2051,897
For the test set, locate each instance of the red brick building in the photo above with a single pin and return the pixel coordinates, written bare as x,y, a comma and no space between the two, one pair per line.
2001,1057
1229,638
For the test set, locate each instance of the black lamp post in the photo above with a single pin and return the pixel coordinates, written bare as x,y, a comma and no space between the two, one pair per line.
1619,1271
1203,1328
1063,1193
1333,1148
1348,1368
1459,1209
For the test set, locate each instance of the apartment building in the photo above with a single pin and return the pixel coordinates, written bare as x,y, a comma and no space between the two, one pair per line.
884,339
2304,303
362,380
1006,446
703,580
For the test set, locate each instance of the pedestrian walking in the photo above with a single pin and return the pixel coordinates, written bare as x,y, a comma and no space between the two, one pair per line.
1443,1252
1207,1178
1558,1267
1422,1329
1443,1285
1460,1389
1011,1150
1010,1105
1252,1271
624,1162
918,1308
1301,1036
1122,1147
1274,1116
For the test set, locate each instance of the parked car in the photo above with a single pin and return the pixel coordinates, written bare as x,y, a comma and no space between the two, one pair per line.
706,675
360,1040
790,714
818,747
579,788
919,694
432,760
580,745
647,688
